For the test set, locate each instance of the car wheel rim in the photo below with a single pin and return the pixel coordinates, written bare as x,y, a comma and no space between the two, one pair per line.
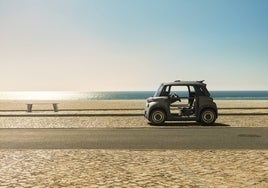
158,117
208,116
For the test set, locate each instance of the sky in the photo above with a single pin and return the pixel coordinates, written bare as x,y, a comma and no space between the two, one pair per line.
130,45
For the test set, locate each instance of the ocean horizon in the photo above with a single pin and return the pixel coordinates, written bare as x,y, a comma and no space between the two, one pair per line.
123,95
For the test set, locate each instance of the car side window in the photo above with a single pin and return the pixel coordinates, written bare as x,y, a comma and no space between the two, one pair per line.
181,91
165,91
202,91
191,92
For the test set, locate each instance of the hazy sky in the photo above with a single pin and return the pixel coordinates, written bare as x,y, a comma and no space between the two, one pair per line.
102,45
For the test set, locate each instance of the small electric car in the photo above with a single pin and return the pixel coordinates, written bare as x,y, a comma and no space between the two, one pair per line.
181,101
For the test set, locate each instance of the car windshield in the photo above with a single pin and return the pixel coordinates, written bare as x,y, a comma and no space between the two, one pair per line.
158,92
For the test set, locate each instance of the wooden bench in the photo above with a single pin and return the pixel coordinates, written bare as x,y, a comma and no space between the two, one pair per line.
30,106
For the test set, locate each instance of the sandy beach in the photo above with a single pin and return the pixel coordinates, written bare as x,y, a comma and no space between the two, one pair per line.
128,168
118,113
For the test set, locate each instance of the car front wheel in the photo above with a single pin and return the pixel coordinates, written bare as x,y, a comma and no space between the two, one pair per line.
158,117
208,117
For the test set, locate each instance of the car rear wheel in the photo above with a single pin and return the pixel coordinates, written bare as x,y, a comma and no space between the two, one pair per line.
208,117
158,117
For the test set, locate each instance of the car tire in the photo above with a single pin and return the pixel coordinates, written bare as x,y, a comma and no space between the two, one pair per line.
208,117
158,117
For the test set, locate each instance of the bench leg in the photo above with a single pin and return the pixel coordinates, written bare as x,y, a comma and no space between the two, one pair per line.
55,107
29,107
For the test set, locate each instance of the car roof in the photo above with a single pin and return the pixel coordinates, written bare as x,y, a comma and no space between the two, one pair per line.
179,82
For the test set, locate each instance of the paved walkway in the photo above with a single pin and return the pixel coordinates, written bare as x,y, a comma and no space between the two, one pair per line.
132,168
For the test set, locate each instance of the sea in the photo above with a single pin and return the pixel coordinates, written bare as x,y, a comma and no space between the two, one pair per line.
123,95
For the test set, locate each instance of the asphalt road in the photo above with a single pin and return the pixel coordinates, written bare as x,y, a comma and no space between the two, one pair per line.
136,138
